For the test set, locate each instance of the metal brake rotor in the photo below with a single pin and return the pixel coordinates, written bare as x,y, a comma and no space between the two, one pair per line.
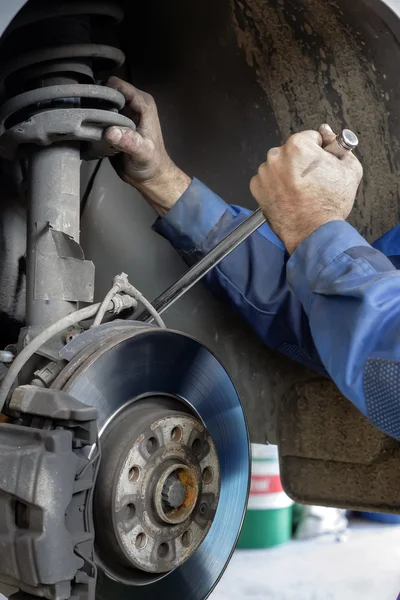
173,482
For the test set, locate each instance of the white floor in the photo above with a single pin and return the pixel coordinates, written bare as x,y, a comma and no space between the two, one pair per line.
365,567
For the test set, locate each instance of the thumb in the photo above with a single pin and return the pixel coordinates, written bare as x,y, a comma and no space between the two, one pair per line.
328,136
124,139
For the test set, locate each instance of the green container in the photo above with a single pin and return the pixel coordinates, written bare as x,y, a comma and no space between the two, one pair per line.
269,516
266,528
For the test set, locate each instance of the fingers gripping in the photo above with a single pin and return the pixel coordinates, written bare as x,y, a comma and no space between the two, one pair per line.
327,134
124,139
134,98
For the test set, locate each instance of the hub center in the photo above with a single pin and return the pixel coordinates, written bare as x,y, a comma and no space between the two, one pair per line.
159,482
176,493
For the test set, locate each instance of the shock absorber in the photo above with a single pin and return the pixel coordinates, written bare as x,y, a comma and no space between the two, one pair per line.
54,117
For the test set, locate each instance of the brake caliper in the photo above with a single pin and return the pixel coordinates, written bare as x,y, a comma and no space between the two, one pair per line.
49,456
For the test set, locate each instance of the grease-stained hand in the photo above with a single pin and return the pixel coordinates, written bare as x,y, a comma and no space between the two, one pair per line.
301,186
146,164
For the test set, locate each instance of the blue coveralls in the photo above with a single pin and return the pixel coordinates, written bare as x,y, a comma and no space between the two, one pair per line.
334,305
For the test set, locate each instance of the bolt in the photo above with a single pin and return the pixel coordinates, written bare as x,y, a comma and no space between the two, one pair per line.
174,491
203,509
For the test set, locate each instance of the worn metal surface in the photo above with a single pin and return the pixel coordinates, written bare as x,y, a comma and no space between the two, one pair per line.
52,262
18,66
52,126
47,537
143,446
30,99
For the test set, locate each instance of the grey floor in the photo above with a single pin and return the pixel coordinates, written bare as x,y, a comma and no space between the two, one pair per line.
365,567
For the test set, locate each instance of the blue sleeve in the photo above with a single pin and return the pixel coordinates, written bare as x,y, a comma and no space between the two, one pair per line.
351,292
252,279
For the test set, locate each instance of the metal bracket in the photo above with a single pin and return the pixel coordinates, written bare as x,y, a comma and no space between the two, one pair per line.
75,275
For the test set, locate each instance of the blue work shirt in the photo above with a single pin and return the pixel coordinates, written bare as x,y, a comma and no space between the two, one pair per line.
334,305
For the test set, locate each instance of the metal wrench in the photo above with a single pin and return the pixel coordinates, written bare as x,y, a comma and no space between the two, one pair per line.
345,142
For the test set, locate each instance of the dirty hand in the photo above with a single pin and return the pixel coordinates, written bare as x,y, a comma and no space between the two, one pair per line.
301,186
146,164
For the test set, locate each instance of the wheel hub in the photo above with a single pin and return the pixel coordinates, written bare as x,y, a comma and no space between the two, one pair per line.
162,506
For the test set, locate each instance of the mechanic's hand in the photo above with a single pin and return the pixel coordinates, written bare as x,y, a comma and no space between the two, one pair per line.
146,163
301,186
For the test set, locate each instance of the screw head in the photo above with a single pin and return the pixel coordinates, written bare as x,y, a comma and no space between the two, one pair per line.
203,509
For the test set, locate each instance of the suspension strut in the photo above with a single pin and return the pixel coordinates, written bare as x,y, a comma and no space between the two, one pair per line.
54,118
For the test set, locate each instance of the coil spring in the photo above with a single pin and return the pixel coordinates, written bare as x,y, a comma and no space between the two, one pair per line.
57,70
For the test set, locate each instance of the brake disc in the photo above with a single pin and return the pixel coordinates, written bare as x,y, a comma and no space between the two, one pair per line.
173,483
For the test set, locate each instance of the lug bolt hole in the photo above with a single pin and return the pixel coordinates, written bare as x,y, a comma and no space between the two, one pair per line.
130,511
176,434
203,509
163,550
134,474
207,475
141,541
151,445
187,538
197,446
